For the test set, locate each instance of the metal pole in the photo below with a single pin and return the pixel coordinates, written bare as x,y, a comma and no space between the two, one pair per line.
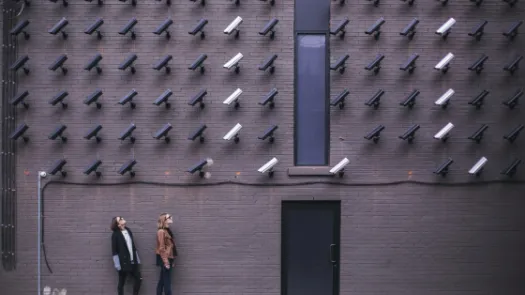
40,175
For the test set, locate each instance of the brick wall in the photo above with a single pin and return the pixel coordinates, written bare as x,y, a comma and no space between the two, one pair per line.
406,239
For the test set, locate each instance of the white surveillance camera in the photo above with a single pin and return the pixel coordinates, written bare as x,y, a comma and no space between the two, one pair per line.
444,99
233,26
478,167
43,174
233,133
233,61
339,168
443,133
445,28
444,63
234,97
268,167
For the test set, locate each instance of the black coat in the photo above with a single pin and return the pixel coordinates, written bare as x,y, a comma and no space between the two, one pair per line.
119,247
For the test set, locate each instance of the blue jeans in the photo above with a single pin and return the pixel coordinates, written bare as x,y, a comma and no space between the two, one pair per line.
164,283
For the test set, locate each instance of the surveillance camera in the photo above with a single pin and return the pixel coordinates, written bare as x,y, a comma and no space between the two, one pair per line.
94,133
234,97
478,64
479,99
199,28
514,65
268,133
59,98
129,98
340,99
268,167
129,28
269,27
198,133
443,134
443,64
375,101
375,65
444,30
59,27
410,133
163,63
20,63
58,166
340,28
200,166
20,99
513,101
93,98
93,63
128,133
128,167
20,28
198,98
410,29
268,64
163,28
233,133
340,64
269,98
410,64
375,29
444,167
59,63
163,132
95,28
128,62
511,169
478,135
19,132
513,30
42,174
163,98
233,26
198,63
339,168
410,101
478,30
375,133
58,133
478,167
513,135
234,62
444,99
93,167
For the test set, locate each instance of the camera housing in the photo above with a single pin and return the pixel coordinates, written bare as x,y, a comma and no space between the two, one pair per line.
268,64
375,134
128,98
93,132
340,64
19,132
128,167
94,27
199,167
163,132
478,135
93,98
513,65
479,99
410,64
410,29
375,29
20,63
20,99
269,98
58,166
269,28
59,63
59,98
478,167
446,28
93,167
129,28
198,98
410,134
514,133
512,32
93,63
339,168
128,132
268,167
444,63
375,100
163,63
233,133
163,28
513,101
340,28
443,169
444,99
478,31
234,62
59,133
128,63
198,63
234,27
163,98
59,28
234,97
510,170
199,28
410,101
375,65
444,133
339,100
268,133
20,28
198,133
478,64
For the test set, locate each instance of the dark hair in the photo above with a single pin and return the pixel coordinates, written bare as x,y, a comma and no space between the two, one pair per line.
114,224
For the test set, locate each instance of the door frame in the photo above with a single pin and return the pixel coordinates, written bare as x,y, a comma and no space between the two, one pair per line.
337,237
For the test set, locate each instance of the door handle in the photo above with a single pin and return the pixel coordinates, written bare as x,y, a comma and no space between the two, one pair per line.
332,254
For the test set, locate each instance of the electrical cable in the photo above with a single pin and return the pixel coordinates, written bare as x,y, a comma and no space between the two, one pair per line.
252,184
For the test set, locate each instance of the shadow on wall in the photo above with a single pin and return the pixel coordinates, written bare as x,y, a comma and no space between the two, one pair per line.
56,291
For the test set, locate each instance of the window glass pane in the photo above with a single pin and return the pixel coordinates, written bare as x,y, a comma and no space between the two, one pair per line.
311,114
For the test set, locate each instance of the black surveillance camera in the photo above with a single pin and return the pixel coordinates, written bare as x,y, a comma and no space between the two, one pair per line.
477,66
410,29
375,65
513,135
199,28
163,98
339,100
197,133
129,98
94,133
375,101
93,98
20,28
410,133
163,28
94,27
375,133
268,133
410,64
410,101
128,167
198,168
128,63
340,64
444,167
198,63
163,132
268,64
163,63
20,63
19,132
478,31
129,28
512,102
59,98
59,27
479,99
198,98
269,28
58,166
93,167
59,63
375,29
478,135
340,28
58,133
20,99
128,133
269,98
93,63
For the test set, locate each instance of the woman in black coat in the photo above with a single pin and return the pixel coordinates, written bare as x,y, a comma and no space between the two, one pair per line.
125,256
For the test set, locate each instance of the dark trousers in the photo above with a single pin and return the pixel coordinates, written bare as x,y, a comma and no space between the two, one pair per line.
164,280
137,279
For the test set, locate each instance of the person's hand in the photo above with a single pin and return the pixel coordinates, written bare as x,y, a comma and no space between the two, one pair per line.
167,266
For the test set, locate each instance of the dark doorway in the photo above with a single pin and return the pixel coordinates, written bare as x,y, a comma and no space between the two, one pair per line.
310,247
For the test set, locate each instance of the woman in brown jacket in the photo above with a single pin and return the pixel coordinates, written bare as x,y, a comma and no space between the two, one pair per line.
166,252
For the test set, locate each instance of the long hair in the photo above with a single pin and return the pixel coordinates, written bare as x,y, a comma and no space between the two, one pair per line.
161,223
114,224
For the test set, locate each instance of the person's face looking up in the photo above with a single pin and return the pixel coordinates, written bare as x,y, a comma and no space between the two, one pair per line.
121,222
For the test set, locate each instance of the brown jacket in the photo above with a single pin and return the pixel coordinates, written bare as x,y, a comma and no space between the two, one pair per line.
164,246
